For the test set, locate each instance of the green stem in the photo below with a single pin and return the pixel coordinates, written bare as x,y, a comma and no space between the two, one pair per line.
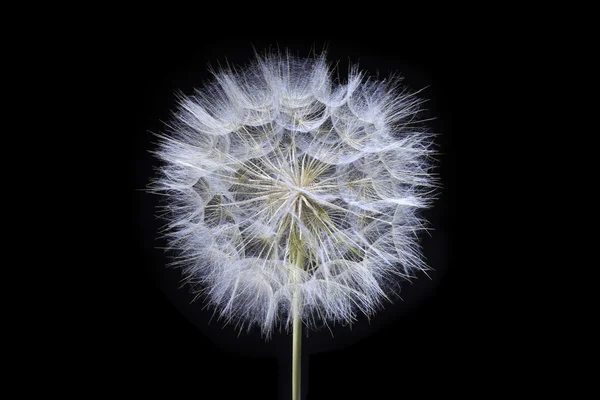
297,331
296,356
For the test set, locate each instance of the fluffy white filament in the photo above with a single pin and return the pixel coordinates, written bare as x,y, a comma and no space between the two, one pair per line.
280,180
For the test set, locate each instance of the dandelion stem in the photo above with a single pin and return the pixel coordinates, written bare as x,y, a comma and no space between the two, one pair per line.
298,261
296,356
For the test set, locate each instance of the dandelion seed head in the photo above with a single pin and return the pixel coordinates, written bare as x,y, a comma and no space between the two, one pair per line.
281,181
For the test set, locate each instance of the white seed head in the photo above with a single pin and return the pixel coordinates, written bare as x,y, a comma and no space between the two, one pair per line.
282,183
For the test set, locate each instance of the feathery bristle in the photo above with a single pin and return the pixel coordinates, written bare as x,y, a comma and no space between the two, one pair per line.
277,160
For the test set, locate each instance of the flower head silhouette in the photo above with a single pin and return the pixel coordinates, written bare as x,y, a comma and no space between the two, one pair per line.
291,194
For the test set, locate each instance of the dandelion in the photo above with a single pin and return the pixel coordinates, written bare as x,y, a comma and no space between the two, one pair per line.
292,198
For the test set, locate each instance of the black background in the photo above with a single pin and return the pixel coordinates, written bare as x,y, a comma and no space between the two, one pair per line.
431,340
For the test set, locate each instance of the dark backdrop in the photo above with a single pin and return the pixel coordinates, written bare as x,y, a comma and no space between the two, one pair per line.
426,341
